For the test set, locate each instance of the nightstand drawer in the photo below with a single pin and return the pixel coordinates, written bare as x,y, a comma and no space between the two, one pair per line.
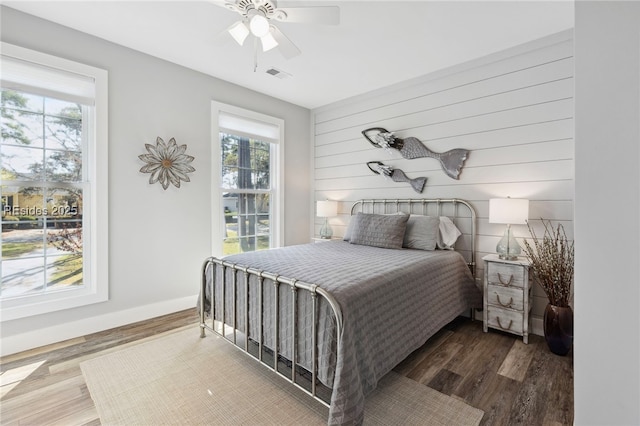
505,297
505,319
507,275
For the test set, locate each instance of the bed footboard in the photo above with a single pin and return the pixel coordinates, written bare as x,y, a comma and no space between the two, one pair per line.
226,324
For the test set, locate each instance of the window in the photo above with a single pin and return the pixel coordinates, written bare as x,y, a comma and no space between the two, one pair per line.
53,191
246,174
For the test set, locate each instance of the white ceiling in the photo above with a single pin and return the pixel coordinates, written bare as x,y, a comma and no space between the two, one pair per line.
378,43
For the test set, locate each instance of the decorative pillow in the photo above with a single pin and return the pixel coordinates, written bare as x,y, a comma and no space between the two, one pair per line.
386,231
422,232
449,233
354,220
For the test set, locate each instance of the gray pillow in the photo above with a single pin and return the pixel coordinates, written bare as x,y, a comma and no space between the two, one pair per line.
386,231
422,232
354,220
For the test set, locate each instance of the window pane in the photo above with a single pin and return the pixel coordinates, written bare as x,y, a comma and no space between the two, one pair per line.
22,239
263,242
23,203
22,276
64,220
64,203
262,203
261,162
64,271
22,128
26,275
64,166
22,101
229,149
22,122
63,133
231,246
247,222
21,162
263,225
245,162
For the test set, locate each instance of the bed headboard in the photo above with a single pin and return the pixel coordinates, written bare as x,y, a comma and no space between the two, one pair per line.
461,212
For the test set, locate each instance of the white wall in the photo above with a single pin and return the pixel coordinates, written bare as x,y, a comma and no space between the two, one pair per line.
607,217
158,238
513,110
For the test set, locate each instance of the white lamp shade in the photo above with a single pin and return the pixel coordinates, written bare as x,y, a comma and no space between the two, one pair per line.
513,211
327,208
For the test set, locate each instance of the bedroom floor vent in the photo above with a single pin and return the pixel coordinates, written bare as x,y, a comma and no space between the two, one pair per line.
278,73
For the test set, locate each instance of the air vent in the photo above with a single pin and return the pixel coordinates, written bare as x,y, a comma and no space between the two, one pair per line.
278,73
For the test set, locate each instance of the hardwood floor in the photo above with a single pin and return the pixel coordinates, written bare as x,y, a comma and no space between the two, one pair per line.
511,382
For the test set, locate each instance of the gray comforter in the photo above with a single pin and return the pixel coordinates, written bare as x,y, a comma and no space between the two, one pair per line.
392,301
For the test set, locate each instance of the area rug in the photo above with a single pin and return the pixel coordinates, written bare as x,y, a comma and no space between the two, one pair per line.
181,379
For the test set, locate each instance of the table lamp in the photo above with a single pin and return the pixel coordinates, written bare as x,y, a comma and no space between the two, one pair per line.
326,209
510,211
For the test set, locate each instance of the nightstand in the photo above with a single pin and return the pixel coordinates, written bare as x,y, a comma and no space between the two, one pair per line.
507,295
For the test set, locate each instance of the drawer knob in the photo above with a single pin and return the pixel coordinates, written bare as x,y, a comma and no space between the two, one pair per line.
506,305
507,283
504,328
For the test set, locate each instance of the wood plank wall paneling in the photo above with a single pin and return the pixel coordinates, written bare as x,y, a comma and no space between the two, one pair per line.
513,111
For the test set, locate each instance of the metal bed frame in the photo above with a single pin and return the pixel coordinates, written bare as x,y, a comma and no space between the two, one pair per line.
295,286
229,331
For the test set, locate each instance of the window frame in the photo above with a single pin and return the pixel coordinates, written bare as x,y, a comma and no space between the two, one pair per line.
276,176
95,203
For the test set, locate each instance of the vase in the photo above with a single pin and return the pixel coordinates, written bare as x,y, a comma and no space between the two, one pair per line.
558,328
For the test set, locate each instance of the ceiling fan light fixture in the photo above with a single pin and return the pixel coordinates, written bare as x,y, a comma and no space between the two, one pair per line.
268,42
239,32
259,25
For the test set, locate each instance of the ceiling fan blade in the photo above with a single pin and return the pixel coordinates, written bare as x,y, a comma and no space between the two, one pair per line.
327,15
227,4
287,48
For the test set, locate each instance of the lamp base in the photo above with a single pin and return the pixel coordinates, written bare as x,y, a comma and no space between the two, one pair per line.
507,257
326,232
508,248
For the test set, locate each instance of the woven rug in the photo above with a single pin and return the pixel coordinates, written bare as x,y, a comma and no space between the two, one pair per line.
181,379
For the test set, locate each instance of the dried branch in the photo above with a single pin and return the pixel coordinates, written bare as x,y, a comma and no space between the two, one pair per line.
552,262
67,239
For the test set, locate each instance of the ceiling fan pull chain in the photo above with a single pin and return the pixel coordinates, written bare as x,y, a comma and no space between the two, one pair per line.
255,54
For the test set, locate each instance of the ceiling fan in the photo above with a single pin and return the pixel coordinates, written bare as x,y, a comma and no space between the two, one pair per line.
258,17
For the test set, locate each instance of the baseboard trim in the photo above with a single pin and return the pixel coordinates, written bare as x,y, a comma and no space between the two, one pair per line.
70,330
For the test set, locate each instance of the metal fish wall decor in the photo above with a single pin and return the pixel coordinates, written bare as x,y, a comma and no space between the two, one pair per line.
396,175
451,161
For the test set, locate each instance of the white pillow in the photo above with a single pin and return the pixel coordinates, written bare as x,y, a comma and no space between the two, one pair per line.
449,233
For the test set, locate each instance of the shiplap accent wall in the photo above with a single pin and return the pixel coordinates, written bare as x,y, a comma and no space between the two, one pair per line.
512,110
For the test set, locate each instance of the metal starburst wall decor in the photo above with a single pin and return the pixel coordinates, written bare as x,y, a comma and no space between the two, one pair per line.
167,163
